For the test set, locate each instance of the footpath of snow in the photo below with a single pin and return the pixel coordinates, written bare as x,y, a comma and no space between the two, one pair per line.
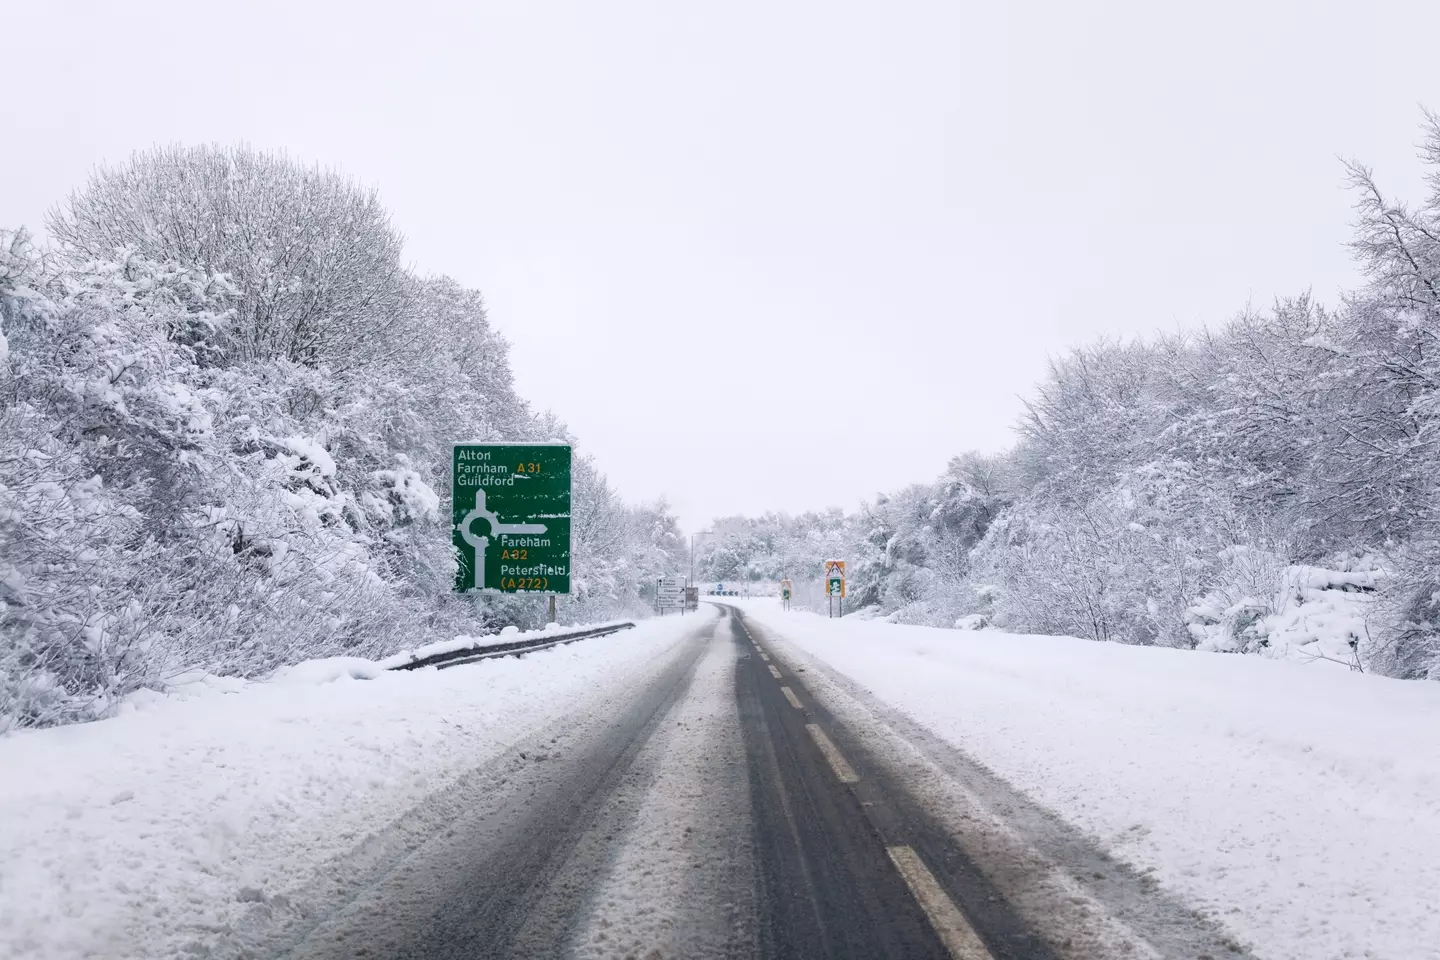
1300,805
133,836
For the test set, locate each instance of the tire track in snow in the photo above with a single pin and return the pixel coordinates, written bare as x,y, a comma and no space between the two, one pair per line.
682,883
505,867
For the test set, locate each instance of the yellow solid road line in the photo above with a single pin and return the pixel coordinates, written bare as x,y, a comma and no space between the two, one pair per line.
955,932
839,764
790,695
773,672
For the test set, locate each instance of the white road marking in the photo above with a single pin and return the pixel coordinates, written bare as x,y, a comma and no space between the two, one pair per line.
764,656
790,695
838,763
773,672
955,932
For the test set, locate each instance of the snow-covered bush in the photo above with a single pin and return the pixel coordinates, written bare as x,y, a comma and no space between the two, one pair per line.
1405,626
1295,612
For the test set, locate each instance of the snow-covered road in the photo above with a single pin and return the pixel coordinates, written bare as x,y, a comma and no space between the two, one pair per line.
170,828
744,783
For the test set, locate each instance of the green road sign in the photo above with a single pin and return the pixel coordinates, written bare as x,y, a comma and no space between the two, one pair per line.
511,510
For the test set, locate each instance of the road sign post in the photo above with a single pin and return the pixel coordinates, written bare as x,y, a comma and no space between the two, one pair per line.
669,595
787,588
835,585
510,506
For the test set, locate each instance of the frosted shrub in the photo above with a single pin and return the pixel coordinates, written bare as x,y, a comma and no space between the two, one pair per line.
1405,636
1229,617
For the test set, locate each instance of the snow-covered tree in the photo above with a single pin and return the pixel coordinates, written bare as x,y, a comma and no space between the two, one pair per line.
226,417
1266,486
313,254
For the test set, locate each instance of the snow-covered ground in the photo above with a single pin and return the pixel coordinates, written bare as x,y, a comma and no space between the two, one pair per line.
139,835
1299,805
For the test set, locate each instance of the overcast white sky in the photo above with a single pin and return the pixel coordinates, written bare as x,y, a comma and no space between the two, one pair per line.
779,254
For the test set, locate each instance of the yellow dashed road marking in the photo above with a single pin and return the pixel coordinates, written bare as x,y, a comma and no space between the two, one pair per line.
955,931
838,763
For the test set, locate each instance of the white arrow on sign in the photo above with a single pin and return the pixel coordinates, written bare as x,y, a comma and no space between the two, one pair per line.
496,528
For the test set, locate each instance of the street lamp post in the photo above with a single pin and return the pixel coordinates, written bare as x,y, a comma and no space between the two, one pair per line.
702,533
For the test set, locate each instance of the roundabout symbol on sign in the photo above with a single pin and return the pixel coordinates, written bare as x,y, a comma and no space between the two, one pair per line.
496,529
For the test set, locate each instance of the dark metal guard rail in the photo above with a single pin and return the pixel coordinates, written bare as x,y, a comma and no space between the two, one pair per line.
454,658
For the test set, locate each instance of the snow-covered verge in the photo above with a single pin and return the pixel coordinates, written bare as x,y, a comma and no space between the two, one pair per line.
1297,803
146,833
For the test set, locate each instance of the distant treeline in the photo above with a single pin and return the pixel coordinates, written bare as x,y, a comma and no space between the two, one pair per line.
1271,486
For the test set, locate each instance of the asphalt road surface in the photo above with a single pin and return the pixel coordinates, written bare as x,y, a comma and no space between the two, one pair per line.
742,802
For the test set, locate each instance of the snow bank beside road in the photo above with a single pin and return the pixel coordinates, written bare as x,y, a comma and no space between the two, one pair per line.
140,835
1300,804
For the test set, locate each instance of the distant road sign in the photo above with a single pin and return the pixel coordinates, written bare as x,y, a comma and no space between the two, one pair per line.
834,578
511,513
670,593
